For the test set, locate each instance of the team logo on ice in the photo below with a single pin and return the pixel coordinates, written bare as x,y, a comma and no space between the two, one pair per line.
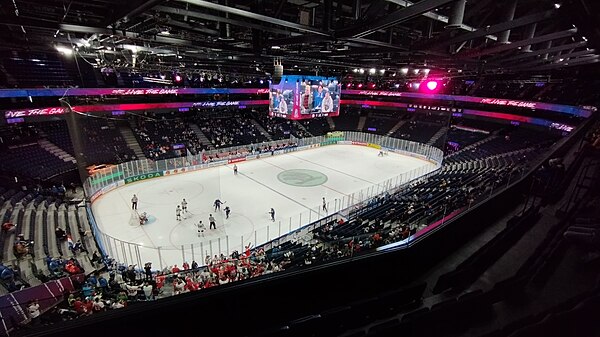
302,178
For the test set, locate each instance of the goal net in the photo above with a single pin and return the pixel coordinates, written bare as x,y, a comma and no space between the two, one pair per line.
134,219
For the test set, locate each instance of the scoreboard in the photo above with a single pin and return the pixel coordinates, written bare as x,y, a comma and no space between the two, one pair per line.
304,97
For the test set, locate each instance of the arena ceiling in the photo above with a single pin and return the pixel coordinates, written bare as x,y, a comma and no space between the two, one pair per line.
324,36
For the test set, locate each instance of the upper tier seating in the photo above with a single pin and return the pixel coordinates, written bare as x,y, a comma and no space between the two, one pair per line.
40,164
317,126
347,120
104,144
417,131
157,134
382,122
279,128
229,131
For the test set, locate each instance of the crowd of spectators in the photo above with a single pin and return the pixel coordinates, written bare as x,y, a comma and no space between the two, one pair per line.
425,201
11,279
159,136
316,126
228,131
104,144
250,149
17,135
280,128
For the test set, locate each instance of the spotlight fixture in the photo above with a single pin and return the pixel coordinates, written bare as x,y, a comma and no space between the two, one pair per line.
372,71
404,71
64,50
432,85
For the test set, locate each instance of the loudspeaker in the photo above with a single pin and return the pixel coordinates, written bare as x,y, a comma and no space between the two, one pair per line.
277,73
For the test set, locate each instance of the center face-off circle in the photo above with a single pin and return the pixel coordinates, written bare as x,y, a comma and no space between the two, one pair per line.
302,178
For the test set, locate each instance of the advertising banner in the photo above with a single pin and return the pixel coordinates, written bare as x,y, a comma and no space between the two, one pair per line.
567,109
113,176
178,170
127,107
60,92
217,163
335,134
142,177
360,143
375,146
236,160
331,141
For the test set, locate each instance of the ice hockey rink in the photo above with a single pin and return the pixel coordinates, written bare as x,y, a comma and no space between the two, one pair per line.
293,184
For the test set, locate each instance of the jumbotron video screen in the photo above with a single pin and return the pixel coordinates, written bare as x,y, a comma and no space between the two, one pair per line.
303,97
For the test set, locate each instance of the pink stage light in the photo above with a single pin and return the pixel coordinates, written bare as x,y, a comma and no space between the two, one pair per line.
432,85
177,78
360,85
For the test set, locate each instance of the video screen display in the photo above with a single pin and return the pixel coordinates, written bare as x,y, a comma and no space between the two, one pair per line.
303,97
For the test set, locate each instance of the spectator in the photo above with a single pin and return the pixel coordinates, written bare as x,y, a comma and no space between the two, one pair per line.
33,309
148,291
60,234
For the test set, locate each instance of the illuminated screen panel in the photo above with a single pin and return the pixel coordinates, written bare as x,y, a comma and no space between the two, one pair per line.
303,97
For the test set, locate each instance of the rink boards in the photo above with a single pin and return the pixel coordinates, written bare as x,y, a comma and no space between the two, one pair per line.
292,182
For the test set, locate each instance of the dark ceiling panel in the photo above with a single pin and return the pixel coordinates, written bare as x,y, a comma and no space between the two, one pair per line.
331,36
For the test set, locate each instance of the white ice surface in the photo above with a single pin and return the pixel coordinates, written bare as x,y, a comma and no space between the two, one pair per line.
250,195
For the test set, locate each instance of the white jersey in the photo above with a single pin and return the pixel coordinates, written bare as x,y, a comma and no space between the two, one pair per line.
184,204
178,211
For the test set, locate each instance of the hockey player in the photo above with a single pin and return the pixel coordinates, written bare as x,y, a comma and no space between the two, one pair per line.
201,229
184,206
324,205
227,211
235,169
272,212
178,213
217,205
143,218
